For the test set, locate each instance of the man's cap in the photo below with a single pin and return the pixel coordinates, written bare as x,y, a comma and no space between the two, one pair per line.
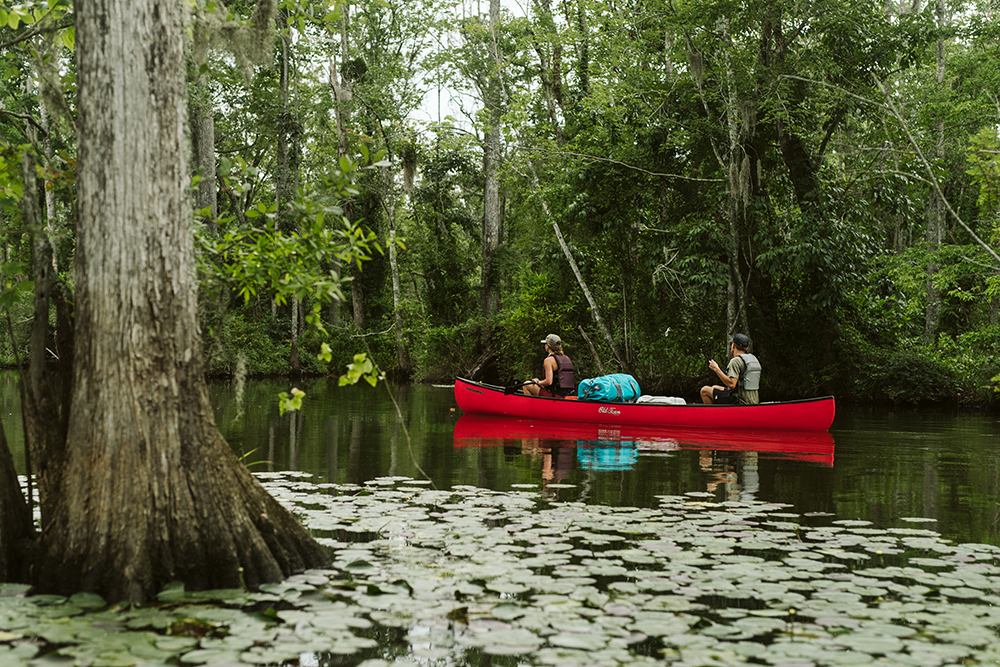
552,340
742,341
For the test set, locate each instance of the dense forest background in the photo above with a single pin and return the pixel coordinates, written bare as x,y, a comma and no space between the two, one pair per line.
643,178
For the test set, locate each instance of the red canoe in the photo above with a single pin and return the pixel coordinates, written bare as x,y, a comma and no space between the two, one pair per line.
487,431
811,414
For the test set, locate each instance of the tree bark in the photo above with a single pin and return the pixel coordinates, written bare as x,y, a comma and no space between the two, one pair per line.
150,492
286,161
50,194
340,84
734,160
357,300
287,170
293,321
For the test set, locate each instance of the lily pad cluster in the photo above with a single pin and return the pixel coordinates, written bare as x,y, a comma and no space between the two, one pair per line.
468,575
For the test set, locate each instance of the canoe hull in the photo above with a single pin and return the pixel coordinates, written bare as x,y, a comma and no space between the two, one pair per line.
814,414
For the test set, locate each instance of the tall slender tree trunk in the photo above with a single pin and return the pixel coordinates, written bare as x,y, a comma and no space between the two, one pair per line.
489,304
340,84
43,411
357,301
287,170
150,492
203,141
490,295
402,354
294,336
50,194
550,66
284,160
739,118
936,213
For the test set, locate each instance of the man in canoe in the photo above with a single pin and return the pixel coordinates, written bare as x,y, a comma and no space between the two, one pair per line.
742,376
557,369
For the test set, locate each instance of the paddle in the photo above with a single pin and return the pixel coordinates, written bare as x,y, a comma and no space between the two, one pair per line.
515,388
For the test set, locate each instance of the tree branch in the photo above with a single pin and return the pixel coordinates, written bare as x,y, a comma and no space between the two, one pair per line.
66,23
25,117
597,158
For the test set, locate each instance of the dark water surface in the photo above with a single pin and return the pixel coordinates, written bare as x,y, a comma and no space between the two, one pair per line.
895,468
890,467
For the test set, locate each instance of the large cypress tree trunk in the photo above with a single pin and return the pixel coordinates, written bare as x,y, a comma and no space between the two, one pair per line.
150,492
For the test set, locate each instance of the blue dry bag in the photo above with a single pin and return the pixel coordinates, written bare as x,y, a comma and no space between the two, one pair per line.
614,388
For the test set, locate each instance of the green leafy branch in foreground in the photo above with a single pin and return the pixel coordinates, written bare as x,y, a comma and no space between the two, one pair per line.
297,253
301,256
361,368
290,401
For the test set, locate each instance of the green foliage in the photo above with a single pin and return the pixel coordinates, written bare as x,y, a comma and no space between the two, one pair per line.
539,307
290,401
975,356
688,161
240,333
11,183
916,376
16,286
287,263
361,368
984,167
444,353
442,236
956,369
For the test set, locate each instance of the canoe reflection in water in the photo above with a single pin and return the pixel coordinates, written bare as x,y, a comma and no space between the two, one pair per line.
725,453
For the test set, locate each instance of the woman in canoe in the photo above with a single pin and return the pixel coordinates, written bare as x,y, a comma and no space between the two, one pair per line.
557,372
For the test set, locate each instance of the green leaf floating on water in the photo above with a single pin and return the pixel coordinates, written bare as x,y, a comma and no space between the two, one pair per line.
210,656
88,601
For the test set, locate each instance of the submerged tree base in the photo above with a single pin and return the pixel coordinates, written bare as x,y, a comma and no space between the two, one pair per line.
205,521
